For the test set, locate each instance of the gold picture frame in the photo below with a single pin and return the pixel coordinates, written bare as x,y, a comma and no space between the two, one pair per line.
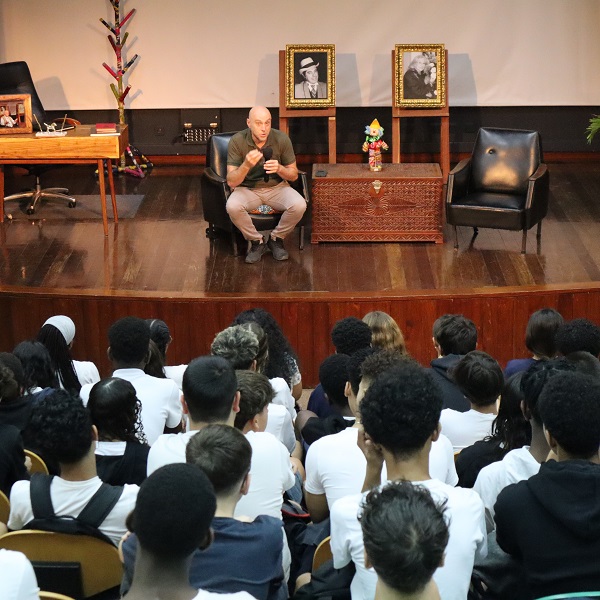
18,119
420,76
316,59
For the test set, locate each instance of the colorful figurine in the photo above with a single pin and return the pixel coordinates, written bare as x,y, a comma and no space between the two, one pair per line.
374,144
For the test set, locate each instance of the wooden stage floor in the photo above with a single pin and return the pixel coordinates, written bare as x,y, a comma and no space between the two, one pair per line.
160,264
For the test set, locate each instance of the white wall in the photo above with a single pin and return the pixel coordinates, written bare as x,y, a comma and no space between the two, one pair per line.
198,53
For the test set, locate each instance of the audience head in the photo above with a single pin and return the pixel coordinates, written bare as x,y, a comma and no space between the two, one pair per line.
37,365
173,512
210,389
224,454
355,367
236,344
333,375
401,409
129,340
60,426
534,380
385,331
282,359
12,377
577,335
454,334
377,363
160,335
585,363
263,345
541,332
569,406
156,363
256,393
479,377
405,535
349,335
116,411
57,335
510,426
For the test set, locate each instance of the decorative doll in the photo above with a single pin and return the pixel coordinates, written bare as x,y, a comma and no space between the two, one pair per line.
374,145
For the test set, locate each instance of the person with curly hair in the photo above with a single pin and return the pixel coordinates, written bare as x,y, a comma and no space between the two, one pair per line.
282,360
578,335
122,450
385,333
553,517
400,415
38,373
405,536
57,334
62,429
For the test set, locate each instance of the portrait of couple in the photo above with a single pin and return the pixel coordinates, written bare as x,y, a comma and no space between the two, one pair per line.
420,75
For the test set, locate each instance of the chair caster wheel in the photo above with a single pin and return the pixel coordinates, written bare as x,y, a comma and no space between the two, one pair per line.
72,204
30,211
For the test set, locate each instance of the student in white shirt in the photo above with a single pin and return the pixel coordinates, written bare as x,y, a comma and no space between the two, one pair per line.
17,578
129,340
400,415
480,378
171,520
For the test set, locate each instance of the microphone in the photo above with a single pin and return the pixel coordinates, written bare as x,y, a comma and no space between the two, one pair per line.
267,153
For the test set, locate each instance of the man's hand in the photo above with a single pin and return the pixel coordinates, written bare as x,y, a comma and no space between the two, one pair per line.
374,458
272,166
252,158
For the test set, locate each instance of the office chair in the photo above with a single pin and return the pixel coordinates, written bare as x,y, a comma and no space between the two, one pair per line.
15,78
504,185
215,192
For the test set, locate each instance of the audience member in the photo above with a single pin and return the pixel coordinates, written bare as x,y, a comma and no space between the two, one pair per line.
17,578
282,360
548,523
129,340
161,336
121,451
155,365
240,346
510,430
38,374
405,536
224,455
539,339
584,362
522,463
480,379
15,406
348,335
170,528
400,415
453,337
57,334
62,428
385,332
578,335
209,396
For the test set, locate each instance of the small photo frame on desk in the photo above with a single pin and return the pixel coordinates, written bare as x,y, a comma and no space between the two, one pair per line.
310,75
15,114
420,76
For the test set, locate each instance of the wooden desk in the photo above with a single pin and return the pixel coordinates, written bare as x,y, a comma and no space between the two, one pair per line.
77,147
401,203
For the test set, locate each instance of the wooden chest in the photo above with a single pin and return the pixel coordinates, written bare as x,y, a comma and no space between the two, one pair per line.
401,203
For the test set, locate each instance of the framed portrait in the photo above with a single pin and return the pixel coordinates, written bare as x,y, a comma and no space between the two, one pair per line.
420,76
15,114
310,75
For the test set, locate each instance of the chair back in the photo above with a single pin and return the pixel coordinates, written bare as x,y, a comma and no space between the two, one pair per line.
54,596
216,152
4,508
322,553
504,159
100,567
37,463
15,78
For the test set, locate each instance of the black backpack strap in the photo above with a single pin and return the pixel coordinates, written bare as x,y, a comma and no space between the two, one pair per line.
39,493
100,505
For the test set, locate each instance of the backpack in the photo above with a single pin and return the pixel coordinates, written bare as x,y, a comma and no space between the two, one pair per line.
86,523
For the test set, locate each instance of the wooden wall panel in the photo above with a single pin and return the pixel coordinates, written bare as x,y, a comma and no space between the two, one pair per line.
501,318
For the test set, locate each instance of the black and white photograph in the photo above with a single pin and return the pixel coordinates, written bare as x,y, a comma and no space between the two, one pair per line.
420,75
15,114
310,76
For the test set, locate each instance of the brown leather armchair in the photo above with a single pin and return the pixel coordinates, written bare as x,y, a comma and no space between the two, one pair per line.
504,185
215,192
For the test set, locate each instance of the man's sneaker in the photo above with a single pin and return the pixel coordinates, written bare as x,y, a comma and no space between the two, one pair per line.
276,247
257,249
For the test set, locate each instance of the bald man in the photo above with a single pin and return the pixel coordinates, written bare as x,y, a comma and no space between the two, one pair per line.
256,181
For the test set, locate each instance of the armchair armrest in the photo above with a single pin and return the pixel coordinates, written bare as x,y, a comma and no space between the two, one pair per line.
538,191
301,185
458,180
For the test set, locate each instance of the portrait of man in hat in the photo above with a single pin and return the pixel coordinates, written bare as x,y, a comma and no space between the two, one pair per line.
310,86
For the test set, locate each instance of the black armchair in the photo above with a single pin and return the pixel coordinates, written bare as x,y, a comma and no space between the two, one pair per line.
15,78
215,192
504,185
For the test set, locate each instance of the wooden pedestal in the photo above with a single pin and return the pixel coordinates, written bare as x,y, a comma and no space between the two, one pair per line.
401,203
